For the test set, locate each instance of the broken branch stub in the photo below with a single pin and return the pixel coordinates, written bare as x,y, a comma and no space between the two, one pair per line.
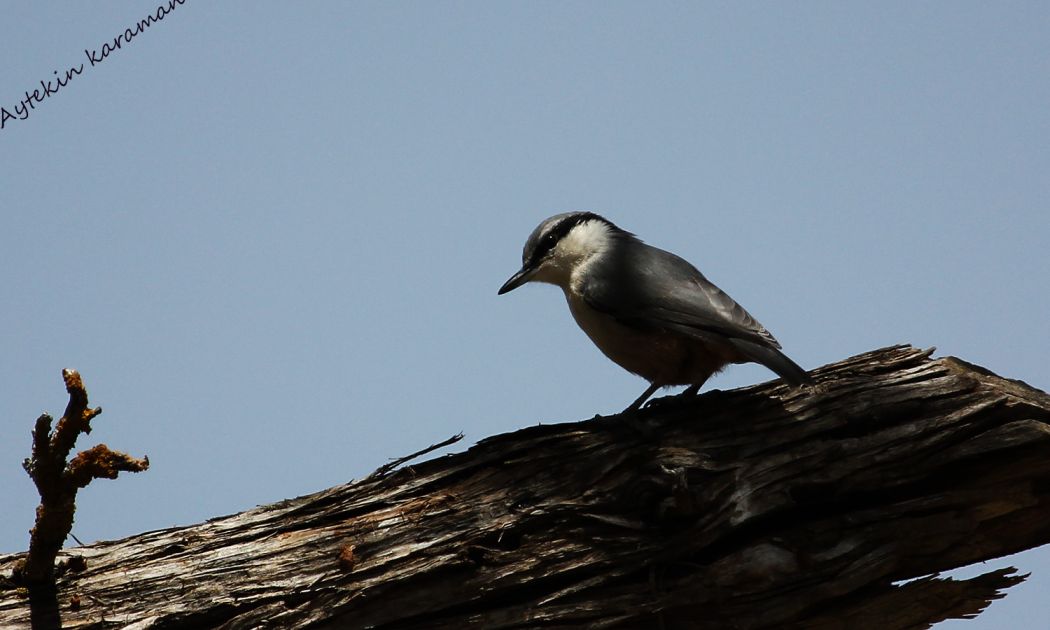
57,481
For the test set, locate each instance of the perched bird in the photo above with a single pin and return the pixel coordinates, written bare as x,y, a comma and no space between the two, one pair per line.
648,310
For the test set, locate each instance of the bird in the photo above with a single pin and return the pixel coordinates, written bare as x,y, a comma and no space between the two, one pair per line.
648,310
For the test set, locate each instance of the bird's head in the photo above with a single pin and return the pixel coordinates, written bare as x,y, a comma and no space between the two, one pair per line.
559,245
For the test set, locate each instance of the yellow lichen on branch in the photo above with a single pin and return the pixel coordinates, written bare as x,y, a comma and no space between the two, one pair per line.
98,462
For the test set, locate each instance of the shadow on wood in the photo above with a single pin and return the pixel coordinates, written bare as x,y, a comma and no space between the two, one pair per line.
764,507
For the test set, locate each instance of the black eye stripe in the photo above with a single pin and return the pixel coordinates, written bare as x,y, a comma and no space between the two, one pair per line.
560,230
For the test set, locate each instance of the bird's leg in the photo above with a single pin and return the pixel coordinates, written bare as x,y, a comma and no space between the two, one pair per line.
687,394
636,405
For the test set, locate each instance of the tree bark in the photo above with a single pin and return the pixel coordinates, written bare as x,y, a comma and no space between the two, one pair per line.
763,507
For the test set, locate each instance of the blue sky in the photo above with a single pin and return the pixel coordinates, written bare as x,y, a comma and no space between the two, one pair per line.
270,235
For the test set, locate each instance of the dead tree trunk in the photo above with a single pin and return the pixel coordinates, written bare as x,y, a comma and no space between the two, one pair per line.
765,507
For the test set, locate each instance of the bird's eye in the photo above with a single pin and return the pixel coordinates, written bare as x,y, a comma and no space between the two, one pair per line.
545,246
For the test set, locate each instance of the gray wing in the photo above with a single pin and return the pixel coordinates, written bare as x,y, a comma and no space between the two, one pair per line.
656,290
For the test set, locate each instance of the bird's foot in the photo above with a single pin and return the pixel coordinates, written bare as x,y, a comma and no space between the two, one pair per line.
687,395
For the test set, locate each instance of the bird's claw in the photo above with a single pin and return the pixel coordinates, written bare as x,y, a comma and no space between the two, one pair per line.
685,396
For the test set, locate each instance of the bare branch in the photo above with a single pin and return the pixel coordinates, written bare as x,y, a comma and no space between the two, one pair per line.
57,483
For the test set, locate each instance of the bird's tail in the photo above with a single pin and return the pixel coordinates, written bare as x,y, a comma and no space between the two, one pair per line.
775,360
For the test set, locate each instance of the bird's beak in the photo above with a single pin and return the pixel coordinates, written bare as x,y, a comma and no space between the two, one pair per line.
521,277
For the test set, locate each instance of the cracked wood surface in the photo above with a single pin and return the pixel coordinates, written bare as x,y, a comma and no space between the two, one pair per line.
764,507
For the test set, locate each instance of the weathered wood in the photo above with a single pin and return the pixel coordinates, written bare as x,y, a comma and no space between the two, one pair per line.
764,507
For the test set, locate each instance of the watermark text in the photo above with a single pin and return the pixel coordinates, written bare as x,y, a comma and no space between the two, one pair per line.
94,57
